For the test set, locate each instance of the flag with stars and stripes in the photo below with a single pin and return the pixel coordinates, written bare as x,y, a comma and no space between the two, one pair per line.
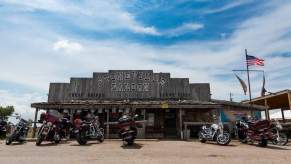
252,60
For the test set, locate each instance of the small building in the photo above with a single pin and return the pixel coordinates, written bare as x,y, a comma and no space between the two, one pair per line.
167,106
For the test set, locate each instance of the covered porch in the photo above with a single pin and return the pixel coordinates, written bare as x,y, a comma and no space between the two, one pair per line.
158,119
279,100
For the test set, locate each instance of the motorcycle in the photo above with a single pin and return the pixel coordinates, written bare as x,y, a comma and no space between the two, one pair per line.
3,128
65,127
280,138
49,131
257,131
88,130
128,129
18,133
214,133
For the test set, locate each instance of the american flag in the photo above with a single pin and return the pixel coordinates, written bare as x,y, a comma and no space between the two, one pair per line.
252,60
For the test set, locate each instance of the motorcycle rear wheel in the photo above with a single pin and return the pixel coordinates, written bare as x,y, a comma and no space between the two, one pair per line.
283,140
200,136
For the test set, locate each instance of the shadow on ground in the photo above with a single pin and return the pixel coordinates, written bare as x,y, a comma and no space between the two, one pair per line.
87,144
275,147
214,143
134,146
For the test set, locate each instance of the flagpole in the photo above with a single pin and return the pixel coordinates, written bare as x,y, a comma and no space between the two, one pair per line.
249,84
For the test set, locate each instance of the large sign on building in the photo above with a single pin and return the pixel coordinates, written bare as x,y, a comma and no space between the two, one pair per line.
128,84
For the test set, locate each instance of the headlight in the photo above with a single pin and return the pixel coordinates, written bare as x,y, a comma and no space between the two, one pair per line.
279,127
49,124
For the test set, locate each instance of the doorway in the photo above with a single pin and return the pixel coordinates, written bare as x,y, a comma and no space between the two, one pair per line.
170,125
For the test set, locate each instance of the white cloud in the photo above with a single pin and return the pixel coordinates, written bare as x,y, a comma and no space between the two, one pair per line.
184,28
89,14
228,6
67,46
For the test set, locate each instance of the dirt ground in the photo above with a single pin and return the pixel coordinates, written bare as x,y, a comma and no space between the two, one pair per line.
149,152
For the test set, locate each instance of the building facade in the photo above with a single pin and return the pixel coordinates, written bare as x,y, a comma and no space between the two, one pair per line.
166,106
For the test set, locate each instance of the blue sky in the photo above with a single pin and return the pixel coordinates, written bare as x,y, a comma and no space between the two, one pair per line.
53,40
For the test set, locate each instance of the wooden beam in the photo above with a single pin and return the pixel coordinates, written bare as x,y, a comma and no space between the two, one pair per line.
34,123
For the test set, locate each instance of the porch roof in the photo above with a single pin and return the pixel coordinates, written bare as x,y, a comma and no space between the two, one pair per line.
176,104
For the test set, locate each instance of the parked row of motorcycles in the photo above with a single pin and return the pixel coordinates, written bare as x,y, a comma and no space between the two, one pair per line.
260,131
54,129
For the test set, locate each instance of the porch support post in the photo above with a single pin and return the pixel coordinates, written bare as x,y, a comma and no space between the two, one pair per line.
107,125
283,116
289,99
267,114
34,123
181,123
144,123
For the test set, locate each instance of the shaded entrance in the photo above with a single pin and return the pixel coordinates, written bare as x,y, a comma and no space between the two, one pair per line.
170,124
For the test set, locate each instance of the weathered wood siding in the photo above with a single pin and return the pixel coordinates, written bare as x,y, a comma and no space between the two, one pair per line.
128,84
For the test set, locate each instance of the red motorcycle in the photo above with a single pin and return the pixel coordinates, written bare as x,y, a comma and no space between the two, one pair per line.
128,128
50,129
257,131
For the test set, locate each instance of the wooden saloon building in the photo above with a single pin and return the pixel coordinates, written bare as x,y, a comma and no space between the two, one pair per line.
166,106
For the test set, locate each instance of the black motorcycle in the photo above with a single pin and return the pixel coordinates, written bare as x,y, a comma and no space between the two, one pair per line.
3,128
128,129
214,133
18,133
65,128
88,130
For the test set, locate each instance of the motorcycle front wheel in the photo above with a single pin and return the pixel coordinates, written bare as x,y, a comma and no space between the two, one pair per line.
223,138
129,139
263,142
57,138
101,138
39,139
81,138
8,141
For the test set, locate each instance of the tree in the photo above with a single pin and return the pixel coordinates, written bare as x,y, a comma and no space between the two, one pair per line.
5,112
